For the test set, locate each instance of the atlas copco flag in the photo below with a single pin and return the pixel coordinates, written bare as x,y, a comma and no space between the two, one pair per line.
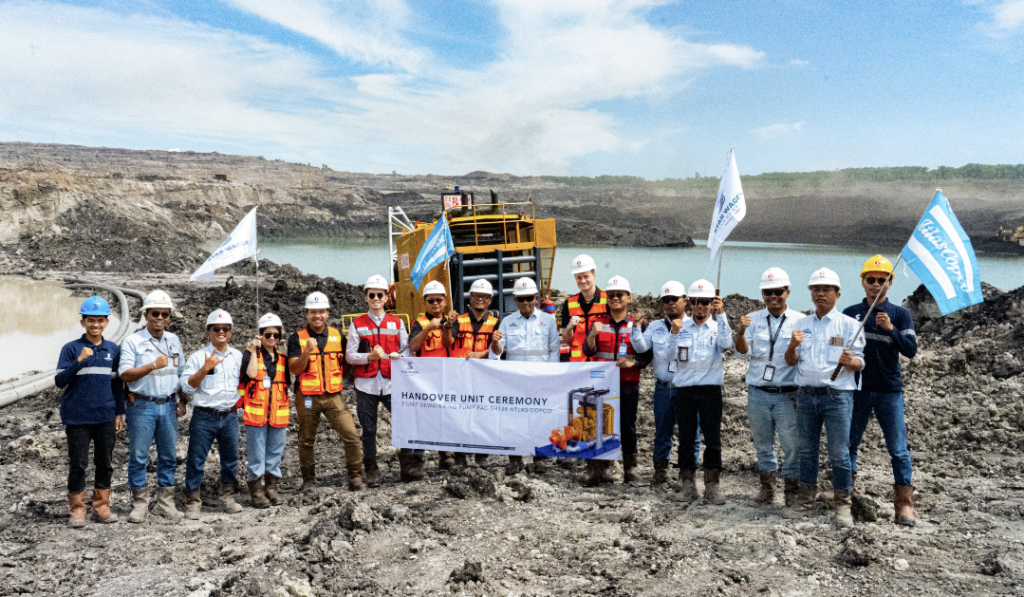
729,208
239,245
438,248
941,255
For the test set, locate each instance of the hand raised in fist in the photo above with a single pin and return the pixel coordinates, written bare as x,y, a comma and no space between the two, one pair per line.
452,318
308,346
744,323
677,324
596,329
85,354
160,362
797,338
435,323
574,321
256,343
377,353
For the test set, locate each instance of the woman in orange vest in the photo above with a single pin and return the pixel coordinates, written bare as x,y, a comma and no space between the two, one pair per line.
263,386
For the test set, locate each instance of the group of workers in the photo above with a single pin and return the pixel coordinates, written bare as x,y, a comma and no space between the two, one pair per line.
826,369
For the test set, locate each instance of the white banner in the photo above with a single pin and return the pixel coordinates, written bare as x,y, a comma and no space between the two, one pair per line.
730,207
239,245
567,410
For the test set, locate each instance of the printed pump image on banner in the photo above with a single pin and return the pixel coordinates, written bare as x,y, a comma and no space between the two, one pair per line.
566,410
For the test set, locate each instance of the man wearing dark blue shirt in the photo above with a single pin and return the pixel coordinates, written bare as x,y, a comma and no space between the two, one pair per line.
889,333
91,409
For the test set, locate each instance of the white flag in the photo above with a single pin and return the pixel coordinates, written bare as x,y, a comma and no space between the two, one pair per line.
240,244
729,208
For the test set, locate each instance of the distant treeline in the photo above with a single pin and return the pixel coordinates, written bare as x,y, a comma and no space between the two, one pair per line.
849,175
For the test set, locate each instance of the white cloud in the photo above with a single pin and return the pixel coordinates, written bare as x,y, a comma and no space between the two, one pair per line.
1007,17
799,63
773,131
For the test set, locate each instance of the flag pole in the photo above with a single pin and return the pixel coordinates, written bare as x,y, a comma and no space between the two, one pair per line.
888,278
718,282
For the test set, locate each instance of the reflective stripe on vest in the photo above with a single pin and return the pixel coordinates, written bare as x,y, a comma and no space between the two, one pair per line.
607,345
469,341
598,313
386,337
433,346
255,397
324,371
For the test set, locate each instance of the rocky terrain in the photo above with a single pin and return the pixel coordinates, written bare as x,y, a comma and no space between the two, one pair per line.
477,532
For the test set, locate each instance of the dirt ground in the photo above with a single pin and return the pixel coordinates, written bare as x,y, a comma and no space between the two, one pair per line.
478,532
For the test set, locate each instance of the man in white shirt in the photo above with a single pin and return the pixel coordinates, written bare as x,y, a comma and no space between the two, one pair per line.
211,378
698,378
762,339
824,345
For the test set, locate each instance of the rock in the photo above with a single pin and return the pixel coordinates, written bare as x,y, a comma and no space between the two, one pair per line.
470,572
291,587
231,553
864,509
397,512
900,565
857,549
356,515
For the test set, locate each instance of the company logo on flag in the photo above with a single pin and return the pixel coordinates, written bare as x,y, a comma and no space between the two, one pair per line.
729,208
438,248
239,245
941,255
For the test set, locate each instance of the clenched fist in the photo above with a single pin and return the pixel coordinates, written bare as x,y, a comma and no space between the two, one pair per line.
882,319
377,353
308,346
160,362
744,323
85,354
797,338
597,329
677,324
574,321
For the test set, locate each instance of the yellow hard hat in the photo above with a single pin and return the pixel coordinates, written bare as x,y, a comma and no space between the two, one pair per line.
876,264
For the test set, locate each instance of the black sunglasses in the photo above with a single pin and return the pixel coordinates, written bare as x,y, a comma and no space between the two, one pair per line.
375,295
704,302
526,299
271,336
160,314
220,328
670,299
873,280
774,291
435,301
617,295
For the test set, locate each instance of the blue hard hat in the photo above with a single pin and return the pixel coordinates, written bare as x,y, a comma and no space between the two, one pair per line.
95,305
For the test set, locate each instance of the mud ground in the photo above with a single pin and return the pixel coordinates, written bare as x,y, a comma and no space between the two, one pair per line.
478,532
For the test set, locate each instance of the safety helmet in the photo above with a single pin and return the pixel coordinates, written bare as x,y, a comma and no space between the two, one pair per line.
673,288
270,320
701,289
774,277
434,287
94,305
158,299
618,283
824,277
876,264
524,287
377,282
482,286
317,300
583,263
219,316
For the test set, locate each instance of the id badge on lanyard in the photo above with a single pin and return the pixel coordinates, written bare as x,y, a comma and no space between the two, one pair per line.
769,373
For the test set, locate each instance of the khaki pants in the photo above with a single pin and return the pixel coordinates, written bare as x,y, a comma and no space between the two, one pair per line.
334,407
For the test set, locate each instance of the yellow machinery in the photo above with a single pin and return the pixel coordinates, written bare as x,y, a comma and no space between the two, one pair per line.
498,242
590,434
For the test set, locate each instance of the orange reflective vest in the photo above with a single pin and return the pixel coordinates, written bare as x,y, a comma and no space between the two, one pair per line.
260,402
598,312
324,370
468,341
433,346
610,347
387,336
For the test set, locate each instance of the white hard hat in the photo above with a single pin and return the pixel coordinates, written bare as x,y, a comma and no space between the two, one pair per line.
618,283
824,277
434,287
524,287
158,299
270,320
219,316
701,289
583,263
377,282
774,277
673,288
317,300
482,286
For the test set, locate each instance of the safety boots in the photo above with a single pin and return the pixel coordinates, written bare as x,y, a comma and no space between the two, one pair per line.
514,466
712,489
227,499
792,489
459,460
445,460
803,501
140,505
592,475
308,488
272,483
193,504
258,495
629,469
480,460
687,491
76,503
903,504
355,476
660,472
607,468
165,504
372,472
410,466
767,493
101,506
843,503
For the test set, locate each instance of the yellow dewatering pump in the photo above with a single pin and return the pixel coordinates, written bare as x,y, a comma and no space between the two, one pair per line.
584,427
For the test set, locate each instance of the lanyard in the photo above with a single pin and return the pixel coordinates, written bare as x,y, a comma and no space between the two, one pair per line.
773,337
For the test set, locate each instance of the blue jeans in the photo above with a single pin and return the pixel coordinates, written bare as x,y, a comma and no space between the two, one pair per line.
264,447
770,414
202,431
147,421
665,423
888,408
833,409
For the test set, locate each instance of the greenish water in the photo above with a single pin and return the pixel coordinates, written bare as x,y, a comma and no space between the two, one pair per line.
647,269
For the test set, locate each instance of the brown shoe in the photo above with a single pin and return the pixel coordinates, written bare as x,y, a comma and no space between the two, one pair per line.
687,491
270,486
372,472
629,469
844,515
592,476
514,466
828,496
480,460
76,503
767,493
140,505
903,504
308,488
165,506
193,504
791,490
355,476
803,501
101,506
410,466
712,490
660,472
227,499
459,460
607,468
257,495
445,461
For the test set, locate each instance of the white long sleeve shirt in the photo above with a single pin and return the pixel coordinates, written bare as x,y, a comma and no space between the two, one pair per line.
763,326
698,359
379,385
532,340
824,340
218,390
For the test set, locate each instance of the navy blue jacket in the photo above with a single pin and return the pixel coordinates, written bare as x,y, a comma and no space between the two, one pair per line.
883,349
93,393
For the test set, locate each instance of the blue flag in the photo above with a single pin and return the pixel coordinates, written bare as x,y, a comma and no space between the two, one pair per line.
941,255
438,248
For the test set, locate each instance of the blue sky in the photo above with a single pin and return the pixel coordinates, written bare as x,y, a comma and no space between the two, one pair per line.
574,87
